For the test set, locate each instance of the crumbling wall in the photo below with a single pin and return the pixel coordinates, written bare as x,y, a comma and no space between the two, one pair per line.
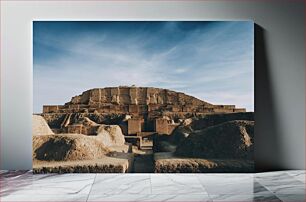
100,104
134,126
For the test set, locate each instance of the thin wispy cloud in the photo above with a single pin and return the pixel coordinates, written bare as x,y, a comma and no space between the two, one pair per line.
210,60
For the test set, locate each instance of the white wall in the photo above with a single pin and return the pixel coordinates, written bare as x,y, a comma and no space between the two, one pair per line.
280,62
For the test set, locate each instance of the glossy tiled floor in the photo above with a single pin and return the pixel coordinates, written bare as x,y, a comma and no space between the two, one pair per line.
271,186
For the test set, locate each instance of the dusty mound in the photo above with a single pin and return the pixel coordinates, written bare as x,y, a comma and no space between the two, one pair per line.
67,147
167,143
120,164
229,140
40,126
110,135
190,165
213,119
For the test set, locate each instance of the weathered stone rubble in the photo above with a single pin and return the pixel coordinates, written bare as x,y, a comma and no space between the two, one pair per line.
105,152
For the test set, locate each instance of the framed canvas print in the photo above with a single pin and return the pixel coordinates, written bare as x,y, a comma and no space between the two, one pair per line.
143,96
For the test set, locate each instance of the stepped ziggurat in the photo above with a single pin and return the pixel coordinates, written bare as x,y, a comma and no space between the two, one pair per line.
141,112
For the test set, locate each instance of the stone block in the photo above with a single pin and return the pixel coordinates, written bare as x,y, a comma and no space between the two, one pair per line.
115,95
135,125
50,108
85,97
133,108
95,95
76,100
76,128
142,97
161,126
239,110
171,128
133,96
153,107
74,107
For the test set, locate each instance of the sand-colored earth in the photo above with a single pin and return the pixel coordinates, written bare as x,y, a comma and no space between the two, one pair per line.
40,126
120,163
168,163
67,147
229,140
106,152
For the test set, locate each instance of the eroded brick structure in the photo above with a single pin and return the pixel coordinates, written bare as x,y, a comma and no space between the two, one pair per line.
150,109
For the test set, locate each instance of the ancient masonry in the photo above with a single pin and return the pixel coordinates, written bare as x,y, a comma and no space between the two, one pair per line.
150,110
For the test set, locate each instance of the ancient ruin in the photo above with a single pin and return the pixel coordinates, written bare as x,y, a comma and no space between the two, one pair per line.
141,111
142,129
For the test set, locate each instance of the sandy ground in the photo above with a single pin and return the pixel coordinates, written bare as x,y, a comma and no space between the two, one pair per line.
118,163
168,163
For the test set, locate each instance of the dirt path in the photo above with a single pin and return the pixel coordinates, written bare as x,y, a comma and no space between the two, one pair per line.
143,163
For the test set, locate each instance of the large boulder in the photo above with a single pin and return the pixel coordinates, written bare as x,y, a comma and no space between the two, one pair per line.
67,147
110,135
229,140
40,126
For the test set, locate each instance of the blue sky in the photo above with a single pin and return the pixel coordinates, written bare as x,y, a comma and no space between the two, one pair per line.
213,61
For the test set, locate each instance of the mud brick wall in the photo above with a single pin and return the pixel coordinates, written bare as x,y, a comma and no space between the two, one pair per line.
161,126
77,128
134,126
171,128
140,102
153,98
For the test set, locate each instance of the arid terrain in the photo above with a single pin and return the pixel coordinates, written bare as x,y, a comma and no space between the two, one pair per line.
139,129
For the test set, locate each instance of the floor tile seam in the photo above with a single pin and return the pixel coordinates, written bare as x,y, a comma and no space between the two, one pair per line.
91,187
173,194
283,186
289,200
209,197
283,176
274,193
151,184
271,194
282,181
300,180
